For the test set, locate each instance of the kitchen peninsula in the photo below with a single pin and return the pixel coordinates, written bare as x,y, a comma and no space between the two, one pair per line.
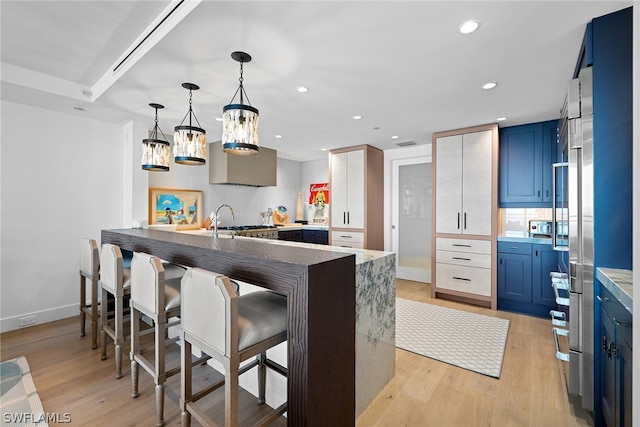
327,312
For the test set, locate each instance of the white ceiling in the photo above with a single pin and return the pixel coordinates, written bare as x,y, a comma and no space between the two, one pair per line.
401,65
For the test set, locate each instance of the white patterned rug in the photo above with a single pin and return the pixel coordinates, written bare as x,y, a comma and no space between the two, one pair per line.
471,341
19,400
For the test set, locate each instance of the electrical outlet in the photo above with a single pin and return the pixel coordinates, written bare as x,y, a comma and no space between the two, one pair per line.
27,321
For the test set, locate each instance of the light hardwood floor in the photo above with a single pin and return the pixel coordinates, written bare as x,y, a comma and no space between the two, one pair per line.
71,378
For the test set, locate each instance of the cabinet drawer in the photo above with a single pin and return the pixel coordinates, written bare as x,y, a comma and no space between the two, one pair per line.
464,245
469,259
463,278
514,248
348,236
347,244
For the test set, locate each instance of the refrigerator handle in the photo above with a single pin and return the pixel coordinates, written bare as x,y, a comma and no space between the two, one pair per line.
554,234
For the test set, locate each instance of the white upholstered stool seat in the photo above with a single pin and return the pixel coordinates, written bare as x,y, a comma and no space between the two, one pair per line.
89,273
158,299
230,329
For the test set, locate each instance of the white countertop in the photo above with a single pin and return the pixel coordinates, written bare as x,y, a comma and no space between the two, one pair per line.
620,283
362,255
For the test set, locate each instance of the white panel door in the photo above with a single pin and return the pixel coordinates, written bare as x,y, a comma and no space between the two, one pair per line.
476,183
355,189
448,184
338,196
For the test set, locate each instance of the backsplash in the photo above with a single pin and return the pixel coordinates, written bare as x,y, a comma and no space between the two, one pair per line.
515,222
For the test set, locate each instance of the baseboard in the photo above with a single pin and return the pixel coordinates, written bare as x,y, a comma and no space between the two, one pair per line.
44,316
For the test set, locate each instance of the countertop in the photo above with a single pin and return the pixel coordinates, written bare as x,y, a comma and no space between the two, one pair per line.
303,227
362,255
523,237
620,283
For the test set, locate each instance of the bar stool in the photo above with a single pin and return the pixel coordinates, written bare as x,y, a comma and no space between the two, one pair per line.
231,329
115,280
159,300
89,272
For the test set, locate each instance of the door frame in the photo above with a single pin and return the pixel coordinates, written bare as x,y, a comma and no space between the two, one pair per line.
408,273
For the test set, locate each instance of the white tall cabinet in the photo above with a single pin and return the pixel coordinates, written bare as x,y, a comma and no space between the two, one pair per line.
356,197
465,211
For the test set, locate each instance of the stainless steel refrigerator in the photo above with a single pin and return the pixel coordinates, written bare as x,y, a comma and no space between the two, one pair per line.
576,134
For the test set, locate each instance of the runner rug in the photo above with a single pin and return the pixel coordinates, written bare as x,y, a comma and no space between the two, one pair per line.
19,400
468,340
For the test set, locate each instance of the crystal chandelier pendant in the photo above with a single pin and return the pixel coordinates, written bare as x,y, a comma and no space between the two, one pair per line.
190,142
240,121
156,152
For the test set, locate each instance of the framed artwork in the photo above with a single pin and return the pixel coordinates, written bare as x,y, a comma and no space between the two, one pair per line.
170,206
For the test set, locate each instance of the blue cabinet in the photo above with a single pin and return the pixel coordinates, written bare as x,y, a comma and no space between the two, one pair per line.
545,260
614,361
514,272
526,155
524,284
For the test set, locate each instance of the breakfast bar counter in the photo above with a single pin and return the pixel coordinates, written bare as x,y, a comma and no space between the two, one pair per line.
319,285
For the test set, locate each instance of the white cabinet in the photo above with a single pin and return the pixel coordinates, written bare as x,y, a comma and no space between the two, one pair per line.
464,183
466,214
356,197
347,189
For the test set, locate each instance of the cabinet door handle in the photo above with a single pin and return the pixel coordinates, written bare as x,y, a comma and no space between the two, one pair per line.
602,299
465,220
461,278
458,220
344,217
538,193
536,252
462,259
348,220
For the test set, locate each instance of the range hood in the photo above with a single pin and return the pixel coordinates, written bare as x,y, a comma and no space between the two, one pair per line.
258,170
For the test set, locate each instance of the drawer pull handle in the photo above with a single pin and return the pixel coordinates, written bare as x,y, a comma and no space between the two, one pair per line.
619,323
602,299
461,259
461,246
461,278
347,237
513,247
560,355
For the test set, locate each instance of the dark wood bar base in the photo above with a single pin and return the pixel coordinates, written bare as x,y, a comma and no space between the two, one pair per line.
320,287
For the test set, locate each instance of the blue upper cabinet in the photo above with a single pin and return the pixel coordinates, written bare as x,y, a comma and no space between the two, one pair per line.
526,155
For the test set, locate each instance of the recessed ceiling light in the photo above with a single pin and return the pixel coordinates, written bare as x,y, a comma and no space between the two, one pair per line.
86,92
323,149
278,136
394,137
501,119
357,117
468,27
218,119
78,108
302,89
489,85
376,128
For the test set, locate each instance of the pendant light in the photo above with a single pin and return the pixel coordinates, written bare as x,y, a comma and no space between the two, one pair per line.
156,152
190,142
240,121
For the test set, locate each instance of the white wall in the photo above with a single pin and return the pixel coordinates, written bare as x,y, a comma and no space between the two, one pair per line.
62,179
82,176
247,202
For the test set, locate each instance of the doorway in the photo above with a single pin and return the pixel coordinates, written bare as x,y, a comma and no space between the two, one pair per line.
411,218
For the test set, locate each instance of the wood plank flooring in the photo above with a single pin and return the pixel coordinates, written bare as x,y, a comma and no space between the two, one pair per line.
71,378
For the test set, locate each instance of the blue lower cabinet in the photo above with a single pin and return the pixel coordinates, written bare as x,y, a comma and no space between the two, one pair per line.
613,361
524,284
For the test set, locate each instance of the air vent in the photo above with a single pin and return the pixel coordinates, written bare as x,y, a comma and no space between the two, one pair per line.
405,143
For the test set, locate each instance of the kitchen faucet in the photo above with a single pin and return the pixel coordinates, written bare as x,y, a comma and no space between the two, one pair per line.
215,224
